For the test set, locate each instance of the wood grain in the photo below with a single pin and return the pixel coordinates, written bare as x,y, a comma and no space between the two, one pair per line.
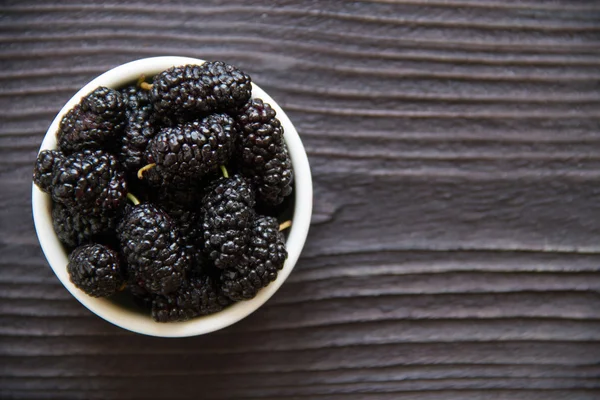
455,245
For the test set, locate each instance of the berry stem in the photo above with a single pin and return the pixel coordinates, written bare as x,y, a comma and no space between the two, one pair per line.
141,80
224,171
140,173
133,199
146,86
285,225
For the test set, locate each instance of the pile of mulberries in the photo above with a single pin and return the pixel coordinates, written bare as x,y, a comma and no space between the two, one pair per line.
168,190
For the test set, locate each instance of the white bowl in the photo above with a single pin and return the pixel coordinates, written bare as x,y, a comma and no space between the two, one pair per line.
128,317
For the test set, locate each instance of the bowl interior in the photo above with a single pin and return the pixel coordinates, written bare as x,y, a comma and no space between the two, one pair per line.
120,309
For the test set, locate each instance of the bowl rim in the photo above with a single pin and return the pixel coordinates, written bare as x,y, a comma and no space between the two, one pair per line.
135,321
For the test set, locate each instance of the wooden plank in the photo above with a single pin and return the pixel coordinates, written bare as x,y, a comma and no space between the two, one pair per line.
454,247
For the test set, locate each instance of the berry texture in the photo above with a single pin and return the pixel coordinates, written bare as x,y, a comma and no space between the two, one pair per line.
151,244
230,87
188,222
266,256
95,269
134,97
188,91
192,150
95,123
275,183
91,182
188,219
74,229
139,130
228,217
44,167
197,296
263,152
161,179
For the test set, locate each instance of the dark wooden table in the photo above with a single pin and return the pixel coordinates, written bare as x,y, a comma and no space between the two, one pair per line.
455,245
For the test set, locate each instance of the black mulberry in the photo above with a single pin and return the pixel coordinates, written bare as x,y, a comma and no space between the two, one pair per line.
266,256
74,229
155,253
263,152
188,222
91,182
228,217
197,296
192,150
139,130
44,167
95,269
95,123
188,91
182,208
134,97
230,87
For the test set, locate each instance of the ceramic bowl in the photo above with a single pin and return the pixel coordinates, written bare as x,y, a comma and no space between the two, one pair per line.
117,310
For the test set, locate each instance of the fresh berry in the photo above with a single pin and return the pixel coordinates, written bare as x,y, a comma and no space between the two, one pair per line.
197,296
152,246
74,228
267,245
160,178
266,256
192,150
44,167
275,183
230,87
95,123
228,217
95,269
91,182
140,127
263,152
189,223
185,92
183,210
134,97
139,130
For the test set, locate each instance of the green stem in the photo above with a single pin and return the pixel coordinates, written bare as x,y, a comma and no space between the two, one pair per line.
224,171
133,199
